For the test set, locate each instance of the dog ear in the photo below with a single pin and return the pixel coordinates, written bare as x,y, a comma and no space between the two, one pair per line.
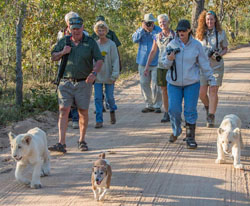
236,132
102,155
11,136
220,130
27,139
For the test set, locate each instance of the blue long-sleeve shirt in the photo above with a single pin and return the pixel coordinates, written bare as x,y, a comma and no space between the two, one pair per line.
145,41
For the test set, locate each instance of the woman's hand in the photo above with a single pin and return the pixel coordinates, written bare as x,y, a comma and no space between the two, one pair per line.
171,56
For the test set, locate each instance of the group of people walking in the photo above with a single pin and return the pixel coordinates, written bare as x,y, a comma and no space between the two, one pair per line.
184,67
173,66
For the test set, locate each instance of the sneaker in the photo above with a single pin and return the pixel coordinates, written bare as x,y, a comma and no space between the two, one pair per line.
210,120
75,125
165,118
58,147
83,146
98,125
148,109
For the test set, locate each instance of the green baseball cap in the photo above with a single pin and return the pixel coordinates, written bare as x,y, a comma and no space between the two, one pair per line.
75,22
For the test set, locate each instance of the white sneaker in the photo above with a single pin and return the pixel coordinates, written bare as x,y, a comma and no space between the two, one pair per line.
75,125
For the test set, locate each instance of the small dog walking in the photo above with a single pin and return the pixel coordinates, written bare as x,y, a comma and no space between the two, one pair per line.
101,177
30,148
229,140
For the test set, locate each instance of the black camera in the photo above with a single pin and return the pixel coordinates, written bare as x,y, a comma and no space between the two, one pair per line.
215,53
149,23
175,50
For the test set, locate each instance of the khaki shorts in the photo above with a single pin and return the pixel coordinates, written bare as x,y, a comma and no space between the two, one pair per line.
78,93
161,77
218,75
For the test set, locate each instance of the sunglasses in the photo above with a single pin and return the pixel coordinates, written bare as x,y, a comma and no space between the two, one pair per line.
181,30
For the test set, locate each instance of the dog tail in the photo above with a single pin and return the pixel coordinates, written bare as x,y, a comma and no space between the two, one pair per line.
102,155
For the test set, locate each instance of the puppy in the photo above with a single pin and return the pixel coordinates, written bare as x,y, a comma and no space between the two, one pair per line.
229,140
101,177
30,148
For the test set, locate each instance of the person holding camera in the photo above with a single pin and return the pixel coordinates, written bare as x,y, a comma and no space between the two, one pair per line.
160,43
144,37
214,42
184,58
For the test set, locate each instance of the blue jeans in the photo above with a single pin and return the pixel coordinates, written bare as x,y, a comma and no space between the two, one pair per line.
176,94
74,114
109,93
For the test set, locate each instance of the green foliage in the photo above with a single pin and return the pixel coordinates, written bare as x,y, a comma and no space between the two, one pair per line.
37,98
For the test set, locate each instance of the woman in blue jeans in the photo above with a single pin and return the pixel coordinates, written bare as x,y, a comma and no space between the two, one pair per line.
184,58
108,74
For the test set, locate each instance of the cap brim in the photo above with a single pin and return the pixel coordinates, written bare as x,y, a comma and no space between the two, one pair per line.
75,26
181,28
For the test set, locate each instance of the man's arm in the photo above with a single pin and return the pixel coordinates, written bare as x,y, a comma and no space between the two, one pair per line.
92,76
58,55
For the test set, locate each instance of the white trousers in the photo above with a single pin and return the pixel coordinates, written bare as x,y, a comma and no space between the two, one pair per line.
149,89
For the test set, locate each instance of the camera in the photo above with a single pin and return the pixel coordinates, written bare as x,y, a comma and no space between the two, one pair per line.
215,53
175,50
149,23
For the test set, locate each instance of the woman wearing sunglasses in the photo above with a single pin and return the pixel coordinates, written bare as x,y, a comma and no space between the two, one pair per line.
184,58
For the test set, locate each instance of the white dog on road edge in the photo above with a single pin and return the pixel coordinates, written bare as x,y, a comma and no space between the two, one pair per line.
229,140
30,148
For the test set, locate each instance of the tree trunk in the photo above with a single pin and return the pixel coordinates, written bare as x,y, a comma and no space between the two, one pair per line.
198,6
19,73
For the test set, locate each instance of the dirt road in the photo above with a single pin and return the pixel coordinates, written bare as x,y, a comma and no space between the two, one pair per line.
147,170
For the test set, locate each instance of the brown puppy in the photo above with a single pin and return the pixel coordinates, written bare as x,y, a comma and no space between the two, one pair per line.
101,177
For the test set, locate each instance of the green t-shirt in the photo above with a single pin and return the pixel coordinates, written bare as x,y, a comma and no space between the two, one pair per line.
80,60
110,35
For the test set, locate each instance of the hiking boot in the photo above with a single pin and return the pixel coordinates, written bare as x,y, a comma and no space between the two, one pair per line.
210,120
207,109
165,118
172,138
75,125
190,136
148,109
112,117
98,125
58,147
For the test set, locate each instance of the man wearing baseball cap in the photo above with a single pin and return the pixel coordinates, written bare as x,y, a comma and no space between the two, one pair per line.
78,77
144,37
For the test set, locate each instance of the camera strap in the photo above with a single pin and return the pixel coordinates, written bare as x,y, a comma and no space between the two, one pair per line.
173,71
217,41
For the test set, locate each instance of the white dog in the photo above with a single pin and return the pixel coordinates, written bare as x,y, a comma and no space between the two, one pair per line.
229,140
30,148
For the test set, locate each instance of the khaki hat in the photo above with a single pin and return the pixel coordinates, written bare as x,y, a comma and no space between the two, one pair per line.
75,22
149,17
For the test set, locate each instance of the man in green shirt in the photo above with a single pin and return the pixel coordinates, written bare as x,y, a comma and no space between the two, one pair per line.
78,77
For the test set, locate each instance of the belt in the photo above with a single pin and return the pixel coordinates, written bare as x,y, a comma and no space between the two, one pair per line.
73,79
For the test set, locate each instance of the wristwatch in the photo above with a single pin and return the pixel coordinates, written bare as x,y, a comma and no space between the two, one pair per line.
94,73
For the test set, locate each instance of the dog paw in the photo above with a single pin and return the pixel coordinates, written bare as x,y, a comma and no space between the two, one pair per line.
238,166
45,172
220,161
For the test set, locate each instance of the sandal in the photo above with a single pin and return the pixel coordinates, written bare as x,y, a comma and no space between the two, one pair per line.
58,147
83,146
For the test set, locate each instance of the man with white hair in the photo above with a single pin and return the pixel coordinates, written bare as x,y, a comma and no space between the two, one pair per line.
144,37
73,112
78,78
